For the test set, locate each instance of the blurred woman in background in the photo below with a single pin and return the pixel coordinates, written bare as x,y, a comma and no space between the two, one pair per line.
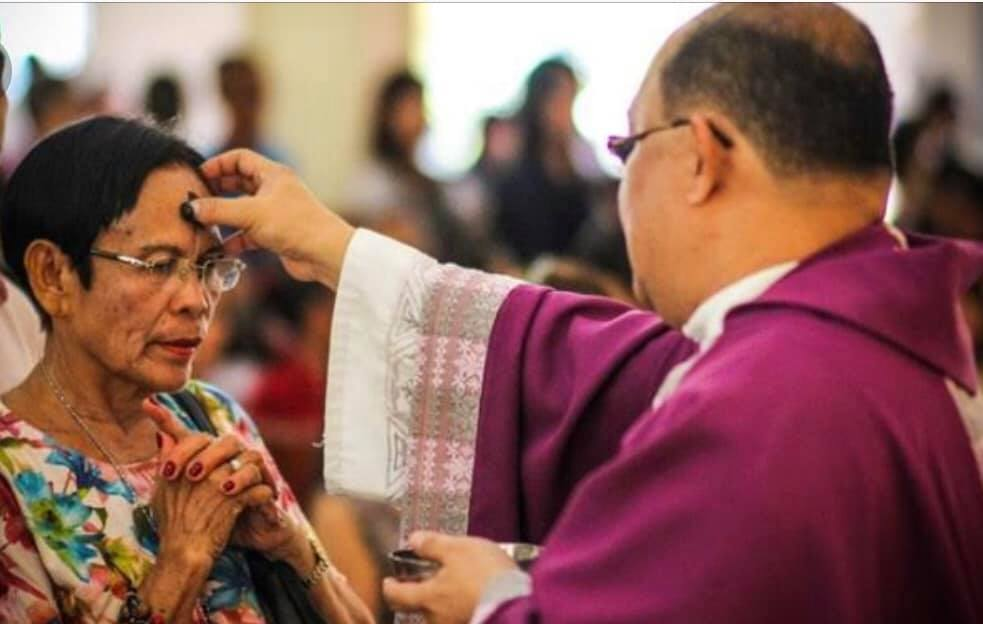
391,193
546,198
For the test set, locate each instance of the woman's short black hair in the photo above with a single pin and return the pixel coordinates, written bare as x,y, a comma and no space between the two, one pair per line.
77,182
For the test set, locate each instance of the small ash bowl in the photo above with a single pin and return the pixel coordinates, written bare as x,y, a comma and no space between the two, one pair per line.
524,555
409,566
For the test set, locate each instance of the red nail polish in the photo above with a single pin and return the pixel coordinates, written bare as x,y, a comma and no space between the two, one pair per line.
195,470
228,485
169,469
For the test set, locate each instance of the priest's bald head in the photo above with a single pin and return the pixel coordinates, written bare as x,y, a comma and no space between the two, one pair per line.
760,135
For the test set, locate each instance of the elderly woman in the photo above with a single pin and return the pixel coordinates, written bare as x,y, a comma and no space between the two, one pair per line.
98,522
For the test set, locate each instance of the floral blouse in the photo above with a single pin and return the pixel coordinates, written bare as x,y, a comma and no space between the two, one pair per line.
70,543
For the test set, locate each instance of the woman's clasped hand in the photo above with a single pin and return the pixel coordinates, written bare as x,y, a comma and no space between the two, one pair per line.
213,491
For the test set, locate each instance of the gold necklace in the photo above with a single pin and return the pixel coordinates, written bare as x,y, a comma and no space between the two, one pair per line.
140,511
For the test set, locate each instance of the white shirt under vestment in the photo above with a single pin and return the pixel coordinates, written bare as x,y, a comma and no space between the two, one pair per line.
706,324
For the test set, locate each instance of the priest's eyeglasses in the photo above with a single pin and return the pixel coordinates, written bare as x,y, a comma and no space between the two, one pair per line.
622,147
217,275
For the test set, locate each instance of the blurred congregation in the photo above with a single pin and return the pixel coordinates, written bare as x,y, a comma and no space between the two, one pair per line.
342,94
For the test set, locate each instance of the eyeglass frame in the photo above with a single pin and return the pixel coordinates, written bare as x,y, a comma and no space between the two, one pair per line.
621,147
183,273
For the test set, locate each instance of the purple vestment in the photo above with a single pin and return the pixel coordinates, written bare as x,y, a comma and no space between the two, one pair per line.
813,465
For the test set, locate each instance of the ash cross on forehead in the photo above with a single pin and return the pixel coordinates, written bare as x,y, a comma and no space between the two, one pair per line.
188,213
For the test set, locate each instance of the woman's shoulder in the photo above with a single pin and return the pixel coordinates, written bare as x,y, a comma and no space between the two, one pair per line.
224,412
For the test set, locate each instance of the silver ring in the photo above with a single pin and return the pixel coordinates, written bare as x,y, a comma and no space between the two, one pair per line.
236,464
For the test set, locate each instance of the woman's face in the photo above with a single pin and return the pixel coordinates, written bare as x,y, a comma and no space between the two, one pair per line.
407,118
558,107
141,327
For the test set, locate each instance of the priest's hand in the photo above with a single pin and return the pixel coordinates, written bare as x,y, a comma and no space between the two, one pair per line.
451,595
278,212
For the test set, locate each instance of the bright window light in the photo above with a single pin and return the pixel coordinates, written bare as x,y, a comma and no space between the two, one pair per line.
475,57
58,34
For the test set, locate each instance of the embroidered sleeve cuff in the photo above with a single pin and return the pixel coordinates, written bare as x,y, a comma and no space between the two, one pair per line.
501,589
373,278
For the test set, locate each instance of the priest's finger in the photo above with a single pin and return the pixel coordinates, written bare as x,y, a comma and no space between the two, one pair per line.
406,597
432,545
238,162
236,212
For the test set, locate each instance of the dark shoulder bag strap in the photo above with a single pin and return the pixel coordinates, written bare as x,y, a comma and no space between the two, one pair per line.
189,403
281,594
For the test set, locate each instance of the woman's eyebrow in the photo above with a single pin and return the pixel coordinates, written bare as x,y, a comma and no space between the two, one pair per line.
155,247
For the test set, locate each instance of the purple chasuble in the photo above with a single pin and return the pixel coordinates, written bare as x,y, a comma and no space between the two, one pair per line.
812,466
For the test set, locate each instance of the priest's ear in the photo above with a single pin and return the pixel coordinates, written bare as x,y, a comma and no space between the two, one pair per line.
712,162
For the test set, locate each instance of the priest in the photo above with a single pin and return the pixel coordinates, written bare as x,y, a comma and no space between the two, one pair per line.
789,437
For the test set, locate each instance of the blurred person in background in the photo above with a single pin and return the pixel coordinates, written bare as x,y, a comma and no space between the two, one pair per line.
287,395
358,533
52,102
940,194
546,197
242,89
472,198
255,329
164,101
573,275
391,194
286,399
21,338
927,159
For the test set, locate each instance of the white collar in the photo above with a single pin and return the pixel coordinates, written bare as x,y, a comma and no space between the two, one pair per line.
707,322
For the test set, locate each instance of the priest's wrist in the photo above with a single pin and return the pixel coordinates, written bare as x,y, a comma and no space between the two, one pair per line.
329,248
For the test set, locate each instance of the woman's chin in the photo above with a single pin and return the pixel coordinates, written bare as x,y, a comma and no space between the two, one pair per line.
169,380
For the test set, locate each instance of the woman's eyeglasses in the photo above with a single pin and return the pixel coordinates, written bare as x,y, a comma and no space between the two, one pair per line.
622,147
217,275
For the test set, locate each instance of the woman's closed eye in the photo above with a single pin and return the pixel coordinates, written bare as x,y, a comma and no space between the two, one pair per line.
163,267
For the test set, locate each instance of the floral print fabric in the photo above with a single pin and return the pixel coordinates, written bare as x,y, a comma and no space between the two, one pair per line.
72,539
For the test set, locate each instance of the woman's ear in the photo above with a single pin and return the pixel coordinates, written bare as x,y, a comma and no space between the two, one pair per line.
51,277
712,159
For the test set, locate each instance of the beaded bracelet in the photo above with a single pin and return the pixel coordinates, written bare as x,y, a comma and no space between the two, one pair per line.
136,611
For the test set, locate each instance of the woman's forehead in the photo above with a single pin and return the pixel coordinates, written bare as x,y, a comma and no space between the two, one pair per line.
157,213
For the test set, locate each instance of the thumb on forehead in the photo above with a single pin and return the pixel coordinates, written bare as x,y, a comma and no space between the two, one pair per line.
236,212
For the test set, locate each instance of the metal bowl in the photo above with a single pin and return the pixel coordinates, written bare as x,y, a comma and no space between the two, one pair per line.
521,553
409,566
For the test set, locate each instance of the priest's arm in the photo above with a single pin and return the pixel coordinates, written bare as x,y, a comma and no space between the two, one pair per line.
475,402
